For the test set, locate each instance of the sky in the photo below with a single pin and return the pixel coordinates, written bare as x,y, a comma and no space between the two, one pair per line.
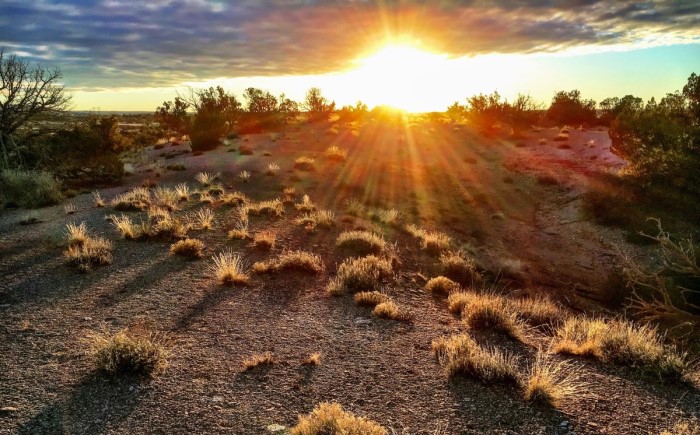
418,55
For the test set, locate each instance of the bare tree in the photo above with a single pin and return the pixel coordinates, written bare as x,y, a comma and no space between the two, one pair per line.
26,92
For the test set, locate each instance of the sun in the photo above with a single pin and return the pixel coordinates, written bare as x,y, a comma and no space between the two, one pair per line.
391,75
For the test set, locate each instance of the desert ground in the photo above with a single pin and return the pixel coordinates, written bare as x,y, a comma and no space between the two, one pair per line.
514,205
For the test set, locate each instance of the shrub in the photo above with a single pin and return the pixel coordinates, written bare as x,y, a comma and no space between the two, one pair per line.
137,199
29,189
329,418
489,311
441,286
550,383
306,205
208,127
229,269
129,352
91,252
620,342
257,360
191,248
300,261
320,218
304,164
336,153
235,199
360,274
458,268
362,242
370,299
264,240
389,310
460,354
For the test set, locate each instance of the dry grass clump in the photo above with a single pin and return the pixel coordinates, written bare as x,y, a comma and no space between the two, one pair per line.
257,360
388,217
85,251
538,311
70,208
360,274
490,311
271,208
288,195
165,198
191,248
204,219
313,360
264,240
205,197
205,178
329,418
129,352
164,225
304,164
306,205
272,169
457,302
370,299
229,269
683,428
76,234
137,199
460,354
389,310
183,192
235,199
353,207
336,153
320,219
620,342
551,383
240,230
99,202
244,176
441,286
432,241
362,242
300,261
459,268
126,227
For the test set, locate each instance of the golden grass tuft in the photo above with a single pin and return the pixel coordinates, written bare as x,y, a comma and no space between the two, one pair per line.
683,428
362,242
360,274
272,169
330,418
126,227
458,267
204,218
99,202
244,176
460,354
137,199
129,352
314,359
370,299
353,207
621,342
306,205
93,251
305,164
191,248
388,217
390,310
229,269
538,311
205,197
491,311
300,261
76,234
320,219
70,208
257,360
264,240
205,178
551,383
336,153
441,286
272,207
432,241
183,192
235,199
165,198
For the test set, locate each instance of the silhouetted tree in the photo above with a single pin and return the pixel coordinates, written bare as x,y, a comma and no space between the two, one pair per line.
317,106
485,110
612,107
522,113
26,93
352,113
173,117
569,108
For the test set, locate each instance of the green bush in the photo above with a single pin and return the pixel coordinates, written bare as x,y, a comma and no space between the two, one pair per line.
28,189
207,130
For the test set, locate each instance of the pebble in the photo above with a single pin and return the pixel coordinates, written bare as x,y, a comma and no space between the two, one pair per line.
276,428
362,321
564,423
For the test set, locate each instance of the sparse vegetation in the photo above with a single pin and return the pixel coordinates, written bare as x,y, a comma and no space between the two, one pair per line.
204,219
314,359
28,189
441,286
336,153
390,310
551,383
362,242
244,176
205,178
273,208
360,274
460,268
305,164
183,192
370,299
272,169
300,261
491,311
191,248
330,418
460,354
129,352
317,219
306,205
99,202
432,241
257,360
229,269
264,240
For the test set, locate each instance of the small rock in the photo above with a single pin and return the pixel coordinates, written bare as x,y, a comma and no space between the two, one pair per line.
564,423
276,429
362,321
87,319
8,409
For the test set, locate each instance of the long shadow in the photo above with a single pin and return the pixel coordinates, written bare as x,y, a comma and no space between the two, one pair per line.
212,299
95,406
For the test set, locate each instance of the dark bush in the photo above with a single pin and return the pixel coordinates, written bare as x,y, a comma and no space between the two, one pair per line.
207,130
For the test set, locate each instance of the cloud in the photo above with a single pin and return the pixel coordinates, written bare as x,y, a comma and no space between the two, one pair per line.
120,43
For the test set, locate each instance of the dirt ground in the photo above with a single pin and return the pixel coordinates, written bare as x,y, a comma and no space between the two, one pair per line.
515,205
